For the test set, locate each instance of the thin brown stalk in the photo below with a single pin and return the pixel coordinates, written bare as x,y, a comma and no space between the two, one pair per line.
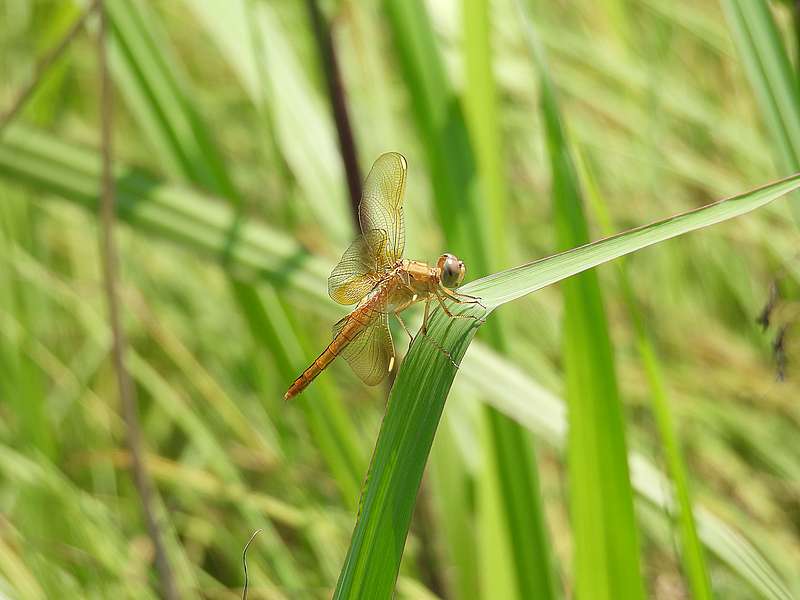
336,93
45,63
109,259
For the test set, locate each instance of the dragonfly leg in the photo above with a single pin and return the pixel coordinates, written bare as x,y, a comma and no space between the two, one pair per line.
407,330
453,315
424,331
444,351
458,297
424,328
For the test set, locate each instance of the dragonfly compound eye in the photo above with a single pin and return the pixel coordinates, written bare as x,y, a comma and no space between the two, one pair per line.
452,270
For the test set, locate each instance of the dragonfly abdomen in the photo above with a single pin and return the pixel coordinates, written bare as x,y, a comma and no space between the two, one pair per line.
356,321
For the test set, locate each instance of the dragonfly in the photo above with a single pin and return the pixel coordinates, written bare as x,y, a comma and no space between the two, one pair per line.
373,275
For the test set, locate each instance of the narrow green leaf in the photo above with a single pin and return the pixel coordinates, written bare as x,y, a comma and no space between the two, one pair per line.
152,86
692,552
412,415
425,377
480,102
441,128
601,499
508,285
470,198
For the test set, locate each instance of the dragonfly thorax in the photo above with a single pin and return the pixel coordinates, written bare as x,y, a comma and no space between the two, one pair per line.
419,276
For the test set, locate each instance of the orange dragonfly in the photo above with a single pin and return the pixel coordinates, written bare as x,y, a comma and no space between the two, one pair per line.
373,274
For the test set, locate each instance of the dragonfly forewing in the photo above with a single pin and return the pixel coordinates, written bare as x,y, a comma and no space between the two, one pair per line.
357,273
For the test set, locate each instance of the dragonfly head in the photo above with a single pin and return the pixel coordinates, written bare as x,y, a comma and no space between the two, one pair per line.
451,270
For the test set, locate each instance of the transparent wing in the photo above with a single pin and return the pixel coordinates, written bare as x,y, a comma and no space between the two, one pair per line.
370,353
381,206
357,271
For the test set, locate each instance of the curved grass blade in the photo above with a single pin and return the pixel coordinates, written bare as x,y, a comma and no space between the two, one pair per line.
694,562
470,198
412,416
511,284
425,376
604,529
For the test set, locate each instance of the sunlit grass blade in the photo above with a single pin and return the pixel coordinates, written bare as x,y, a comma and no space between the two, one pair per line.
604,530
150,82
514,521
412,416
465,166
508,285
426,374
480,107
439,122
250,36
692,553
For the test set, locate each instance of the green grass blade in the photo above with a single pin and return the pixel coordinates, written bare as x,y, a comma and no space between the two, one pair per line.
412,415
510,494
425,377
469,193
480,102
151,85
692,555
273,75
511,284
601,500
441,128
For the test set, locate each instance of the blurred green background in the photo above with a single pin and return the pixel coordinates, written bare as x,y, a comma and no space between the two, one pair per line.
233,206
